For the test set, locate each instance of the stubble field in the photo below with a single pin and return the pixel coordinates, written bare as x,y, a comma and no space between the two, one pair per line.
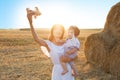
22,59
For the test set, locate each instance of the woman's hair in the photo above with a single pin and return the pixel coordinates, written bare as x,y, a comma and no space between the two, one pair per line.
51,37
76,30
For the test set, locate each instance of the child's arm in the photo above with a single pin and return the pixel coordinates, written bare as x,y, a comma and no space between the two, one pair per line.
72,51
76,47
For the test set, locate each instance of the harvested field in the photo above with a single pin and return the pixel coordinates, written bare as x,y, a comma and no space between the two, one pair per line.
22,59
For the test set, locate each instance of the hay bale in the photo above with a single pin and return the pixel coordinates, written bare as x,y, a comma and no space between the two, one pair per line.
96,51
103,49
115,60
112,24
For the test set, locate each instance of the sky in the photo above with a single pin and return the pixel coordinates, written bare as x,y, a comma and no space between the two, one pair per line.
85,14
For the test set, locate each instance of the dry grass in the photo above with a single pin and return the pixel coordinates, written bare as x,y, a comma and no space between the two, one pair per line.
22,59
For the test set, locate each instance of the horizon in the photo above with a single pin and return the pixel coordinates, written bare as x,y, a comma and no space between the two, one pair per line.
47,28
84,14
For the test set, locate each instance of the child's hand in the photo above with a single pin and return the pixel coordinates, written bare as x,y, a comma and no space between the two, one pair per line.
67,53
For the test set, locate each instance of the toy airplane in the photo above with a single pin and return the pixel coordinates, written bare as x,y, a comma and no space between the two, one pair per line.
35,12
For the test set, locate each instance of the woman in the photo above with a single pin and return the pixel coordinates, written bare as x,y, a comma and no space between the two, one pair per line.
55,48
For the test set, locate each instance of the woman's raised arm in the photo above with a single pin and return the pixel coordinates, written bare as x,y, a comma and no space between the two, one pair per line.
41,42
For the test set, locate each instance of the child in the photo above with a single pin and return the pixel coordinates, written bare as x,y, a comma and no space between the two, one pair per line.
71,47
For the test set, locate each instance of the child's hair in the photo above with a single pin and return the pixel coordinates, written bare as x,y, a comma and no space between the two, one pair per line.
76,30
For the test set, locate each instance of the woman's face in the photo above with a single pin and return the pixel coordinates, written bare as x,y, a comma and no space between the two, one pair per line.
70,33
57,32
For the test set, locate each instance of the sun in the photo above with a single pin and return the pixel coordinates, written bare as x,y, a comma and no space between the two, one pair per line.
54,15
50,15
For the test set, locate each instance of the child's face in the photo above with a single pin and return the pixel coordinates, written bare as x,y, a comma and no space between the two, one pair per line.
70,33
57,32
